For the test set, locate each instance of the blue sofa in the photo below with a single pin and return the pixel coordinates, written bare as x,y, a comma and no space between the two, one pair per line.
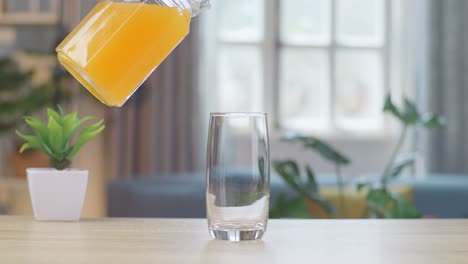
183,196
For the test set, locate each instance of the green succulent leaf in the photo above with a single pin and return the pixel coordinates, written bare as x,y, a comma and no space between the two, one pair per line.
52,113
69,122
34,142
85,136
25,147
56,137
40,128
78,124
30,142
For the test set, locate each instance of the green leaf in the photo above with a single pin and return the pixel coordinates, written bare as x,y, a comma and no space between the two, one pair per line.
391,108
69,122
311,182
40,128
84,137
314,194
53,114
289,208
430,120
378,200
25,147
319,146
289,171
31,142
56,138
402,209
411,114
94,127
389,205
78,124
327,151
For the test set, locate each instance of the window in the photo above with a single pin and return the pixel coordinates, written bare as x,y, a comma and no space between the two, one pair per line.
315,66
28,11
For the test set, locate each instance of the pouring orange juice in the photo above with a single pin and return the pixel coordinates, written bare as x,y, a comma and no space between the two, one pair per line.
119,44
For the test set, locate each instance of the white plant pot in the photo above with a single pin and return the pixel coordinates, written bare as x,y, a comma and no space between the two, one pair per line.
57,195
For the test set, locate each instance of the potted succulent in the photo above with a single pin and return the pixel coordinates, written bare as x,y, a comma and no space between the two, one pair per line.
58,193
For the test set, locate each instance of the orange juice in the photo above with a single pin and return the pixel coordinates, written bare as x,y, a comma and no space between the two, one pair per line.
118,44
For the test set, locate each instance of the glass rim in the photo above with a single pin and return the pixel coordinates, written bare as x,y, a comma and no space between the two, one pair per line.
239,114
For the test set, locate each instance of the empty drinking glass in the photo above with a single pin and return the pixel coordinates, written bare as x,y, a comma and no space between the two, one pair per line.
237,176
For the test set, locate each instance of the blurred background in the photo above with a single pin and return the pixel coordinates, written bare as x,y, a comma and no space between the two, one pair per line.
321,68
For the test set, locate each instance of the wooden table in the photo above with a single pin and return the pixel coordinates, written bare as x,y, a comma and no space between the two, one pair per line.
137,241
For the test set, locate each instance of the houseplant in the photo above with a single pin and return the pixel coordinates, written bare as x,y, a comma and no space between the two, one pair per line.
57,193
21,93
297,207
380,200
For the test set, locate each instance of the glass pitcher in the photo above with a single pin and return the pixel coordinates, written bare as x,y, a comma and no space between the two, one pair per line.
120,43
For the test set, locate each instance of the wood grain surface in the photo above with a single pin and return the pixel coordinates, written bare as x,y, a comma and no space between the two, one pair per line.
23,240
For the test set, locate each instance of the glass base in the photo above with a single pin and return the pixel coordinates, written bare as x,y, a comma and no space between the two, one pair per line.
237,234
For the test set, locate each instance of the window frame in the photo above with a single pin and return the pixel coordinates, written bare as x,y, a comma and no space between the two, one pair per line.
272,45
370,151
331,49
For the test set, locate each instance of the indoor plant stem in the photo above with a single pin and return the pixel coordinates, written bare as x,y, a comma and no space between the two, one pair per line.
396,150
